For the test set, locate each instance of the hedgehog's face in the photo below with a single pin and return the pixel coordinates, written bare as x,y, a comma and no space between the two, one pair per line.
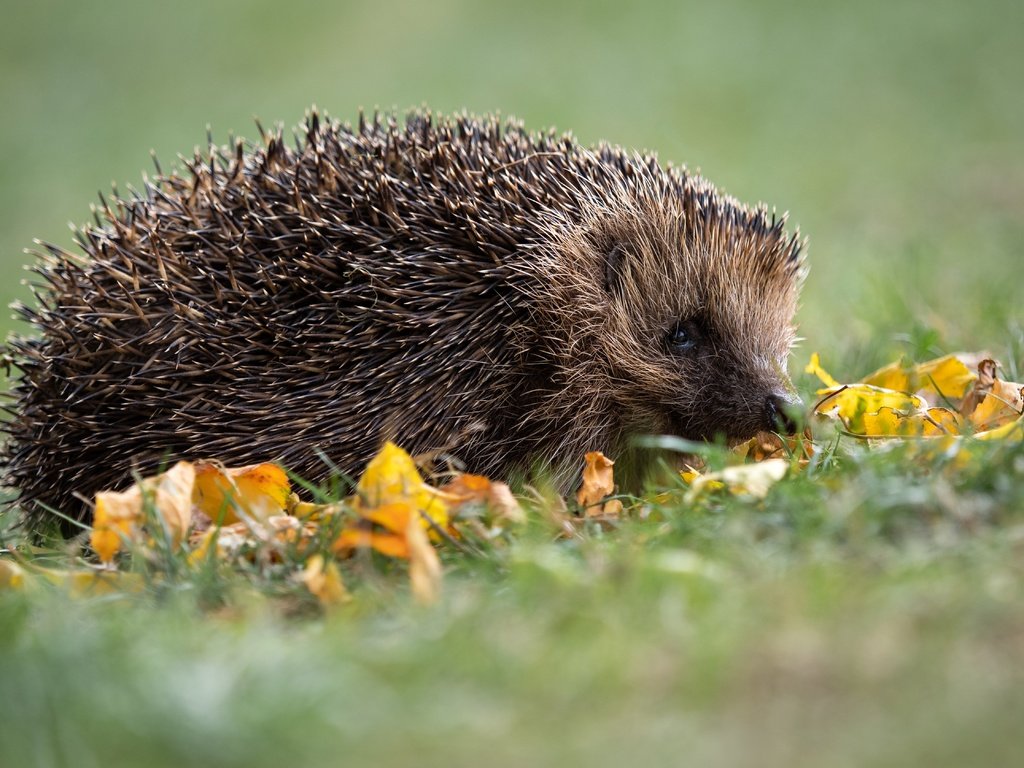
698,326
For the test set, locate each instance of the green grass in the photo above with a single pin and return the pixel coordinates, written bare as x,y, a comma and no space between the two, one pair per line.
867,614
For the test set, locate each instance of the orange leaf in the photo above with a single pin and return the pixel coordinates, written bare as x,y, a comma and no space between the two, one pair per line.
598,482
467,489
389,544
394,516
257,491
1002,404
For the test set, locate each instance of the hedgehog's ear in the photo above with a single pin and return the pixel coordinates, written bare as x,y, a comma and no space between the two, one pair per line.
614,268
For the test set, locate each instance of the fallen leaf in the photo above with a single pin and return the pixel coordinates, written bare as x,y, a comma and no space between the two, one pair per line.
1014,430
947,377
744,479
598,483
117,516
814,367
986,403
390,544
173,499
229,541
1003,403
256,492
424,565
467,489
392,477
12,575
323,579
79,583
888,422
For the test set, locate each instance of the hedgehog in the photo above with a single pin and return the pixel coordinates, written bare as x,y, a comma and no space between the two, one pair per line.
455,284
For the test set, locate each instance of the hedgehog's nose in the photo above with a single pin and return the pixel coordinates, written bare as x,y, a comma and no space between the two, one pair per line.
779,414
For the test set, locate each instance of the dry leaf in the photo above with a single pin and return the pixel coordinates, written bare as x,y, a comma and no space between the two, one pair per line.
850,403
82,583
391,494
92,583
323,579
312,512
1014,430
117,516
745,479
868,410
769,445
466,489
390,544
1003,403
256,492
392,477
947,377
229,539
424,565
814,367
173,499
888,422
598,482
982,386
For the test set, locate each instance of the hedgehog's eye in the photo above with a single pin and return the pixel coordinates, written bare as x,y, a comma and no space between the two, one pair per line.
684,336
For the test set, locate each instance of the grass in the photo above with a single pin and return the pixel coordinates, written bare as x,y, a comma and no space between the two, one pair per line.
869,614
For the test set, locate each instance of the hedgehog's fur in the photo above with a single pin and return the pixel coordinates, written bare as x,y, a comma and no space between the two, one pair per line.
452,283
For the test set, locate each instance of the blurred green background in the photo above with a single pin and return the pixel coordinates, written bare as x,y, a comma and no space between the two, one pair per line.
892,131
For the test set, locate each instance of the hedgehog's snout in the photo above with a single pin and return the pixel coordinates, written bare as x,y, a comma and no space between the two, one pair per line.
780,412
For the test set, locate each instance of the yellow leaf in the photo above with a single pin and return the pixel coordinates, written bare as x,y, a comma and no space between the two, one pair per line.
895,376
310,511
888,422
84,583
90,583
744,479
12,575
256,492
689,475
424,565
946,376
116,516
324,581
851,404
392,477
814,367
1012,431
